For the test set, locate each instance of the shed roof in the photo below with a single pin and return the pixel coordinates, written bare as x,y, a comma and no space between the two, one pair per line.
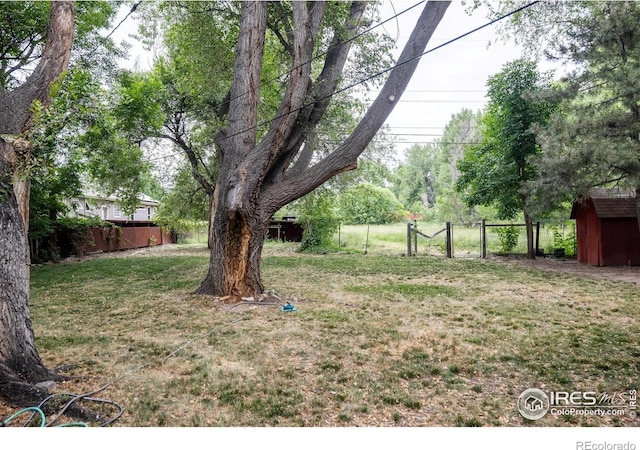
611,203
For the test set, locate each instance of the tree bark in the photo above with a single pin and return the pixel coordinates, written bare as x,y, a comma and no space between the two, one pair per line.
20,363
257,179
233,222
638,205
531,251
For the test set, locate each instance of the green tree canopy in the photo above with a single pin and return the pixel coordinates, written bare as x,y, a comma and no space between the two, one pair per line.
494,172
415,178
369,204
594,140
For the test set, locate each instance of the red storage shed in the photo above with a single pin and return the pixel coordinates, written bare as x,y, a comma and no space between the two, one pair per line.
607,229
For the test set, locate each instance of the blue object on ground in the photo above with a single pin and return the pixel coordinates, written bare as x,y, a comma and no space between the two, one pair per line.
288,308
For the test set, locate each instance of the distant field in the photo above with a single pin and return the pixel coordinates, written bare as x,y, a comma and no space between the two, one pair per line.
392,239
376,340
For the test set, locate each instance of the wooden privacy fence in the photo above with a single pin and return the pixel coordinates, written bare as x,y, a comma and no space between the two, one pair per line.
413,233
125,236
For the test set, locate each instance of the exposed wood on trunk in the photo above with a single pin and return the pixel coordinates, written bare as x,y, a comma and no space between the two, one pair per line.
230,233
253,182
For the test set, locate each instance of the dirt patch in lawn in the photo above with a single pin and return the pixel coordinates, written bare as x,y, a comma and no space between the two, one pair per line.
630,274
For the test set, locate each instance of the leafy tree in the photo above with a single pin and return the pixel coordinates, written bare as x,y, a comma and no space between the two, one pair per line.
50,126
319,220
594,140
185,205
462,131
369,204
415,179
425,181
495,172
263,124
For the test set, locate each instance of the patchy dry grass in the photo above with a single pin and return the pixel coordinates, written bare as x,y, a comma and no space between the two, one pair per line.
376,340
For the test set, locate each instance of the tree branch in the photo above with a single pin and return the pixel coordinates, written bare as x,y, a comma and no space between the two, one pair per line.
286,42
324,87
54,61
306,23
193,160
243,108
345,156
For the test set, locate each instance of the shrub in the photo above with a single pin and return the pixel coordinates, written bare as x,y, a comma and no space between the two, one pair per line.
369,204
319,220
563,245
508,237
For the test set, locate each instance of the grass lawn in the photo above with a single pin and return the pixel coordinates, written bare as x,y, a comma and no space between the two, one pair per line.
376,341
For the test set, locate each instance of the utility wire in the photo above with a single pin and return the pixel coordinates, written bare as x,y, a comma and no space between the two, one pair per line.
133,9
276,78
113,30
382,72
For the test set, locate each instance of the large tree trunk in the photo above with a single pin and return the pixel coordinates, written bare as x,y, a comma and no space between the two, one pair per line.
20,363
237,237
638,205
256,180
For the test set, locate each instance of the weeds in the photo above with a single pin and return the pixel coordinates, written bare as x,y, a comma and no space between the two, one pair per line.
376,341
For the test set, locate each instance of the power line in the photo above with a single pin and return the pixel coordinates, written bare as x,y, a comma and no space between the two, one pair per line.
415,134
439,101
382,72
276,78
131,11
438,91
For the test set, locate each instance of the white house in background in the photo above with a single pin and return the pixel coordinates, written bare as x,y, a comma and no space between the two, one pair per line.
90,204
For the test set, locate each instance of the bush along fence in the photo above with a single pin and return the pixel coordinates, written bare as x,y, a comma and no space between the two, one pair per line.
508,235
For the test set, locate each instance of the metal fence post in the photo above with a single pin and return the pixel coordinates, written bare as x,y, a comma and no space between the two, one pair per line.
483,239
448,239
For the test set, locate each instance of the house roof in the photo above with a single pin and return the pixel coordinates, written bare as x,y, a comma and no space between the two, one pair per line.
144,199
610,203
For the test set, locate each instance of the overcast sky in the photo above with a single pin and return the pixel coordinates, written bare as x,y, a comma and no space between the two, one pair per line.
450,78
446,81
